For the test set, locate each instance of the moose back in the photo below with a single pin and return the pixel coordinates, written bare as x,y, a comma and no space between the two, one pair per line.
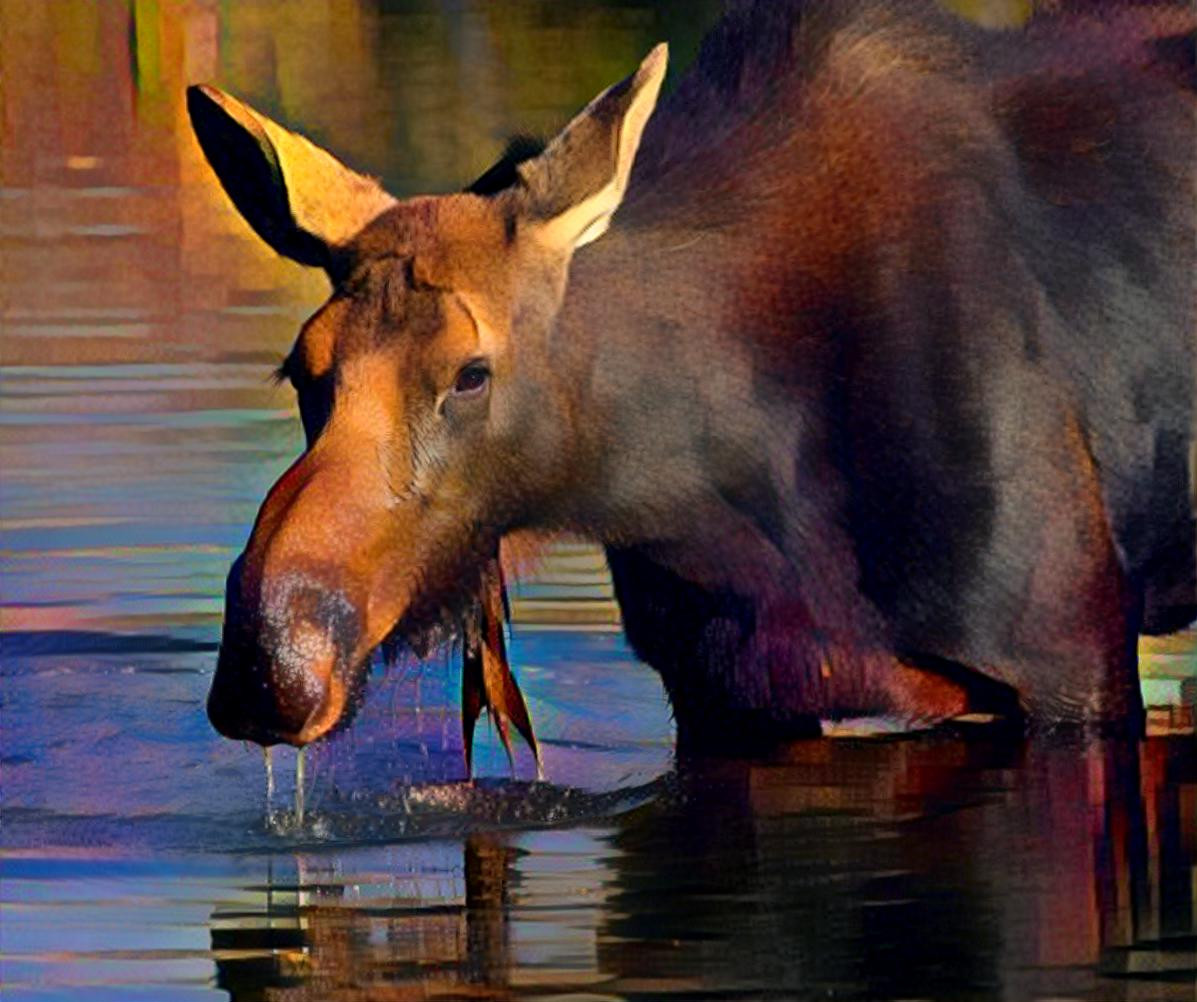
868,356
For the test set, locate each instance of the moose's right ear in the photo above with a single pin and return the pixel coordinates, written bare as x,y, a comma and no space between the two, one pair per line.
297,197
577,183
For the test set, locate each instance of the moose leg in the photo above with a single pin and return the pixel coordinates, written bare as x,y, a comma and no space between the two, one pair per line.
1057,616
743,678
1170,577
704,645
1048,624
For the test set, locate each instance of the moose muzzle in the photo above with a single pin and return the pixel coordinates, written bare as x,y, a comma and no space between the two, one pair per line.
294,625
286,660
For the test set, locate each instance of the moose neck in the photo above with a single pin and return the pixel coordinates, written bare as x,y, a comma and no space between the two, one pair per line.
698,341
674,426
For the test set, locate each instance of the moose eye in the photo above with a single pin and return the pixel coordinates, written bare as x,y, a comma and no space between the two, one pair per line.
471,380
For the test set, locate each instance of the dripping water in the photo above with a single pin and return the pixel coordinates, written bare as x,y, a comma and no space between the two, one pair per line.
299,786
266,757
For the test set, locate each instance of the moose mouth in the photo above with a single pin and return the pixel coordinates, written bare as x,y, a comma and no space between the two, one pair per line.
292,675
298,705
306,703
244,705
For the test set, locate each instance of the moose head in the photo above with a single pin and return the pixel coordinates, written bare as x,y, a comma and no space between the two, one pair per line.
429,386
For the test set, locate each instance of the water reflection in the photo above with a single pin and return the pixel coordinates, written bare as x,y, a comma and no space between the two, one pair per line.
317,939
849,869
138,432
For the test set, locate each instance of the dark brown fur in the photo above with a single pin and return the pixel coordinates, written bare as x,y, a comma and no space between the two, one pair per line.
879,391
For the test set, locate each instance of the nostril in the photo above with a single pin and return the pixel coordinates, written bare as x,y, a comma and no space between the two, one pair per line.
266,707
280,658
298,698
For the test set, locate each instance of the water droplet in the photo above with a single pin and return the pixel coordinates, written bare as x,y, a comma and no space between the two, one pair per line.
299,786
266,757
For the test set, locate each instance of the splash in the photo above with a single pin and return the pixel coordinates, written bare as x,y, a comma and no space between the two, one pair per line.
457,809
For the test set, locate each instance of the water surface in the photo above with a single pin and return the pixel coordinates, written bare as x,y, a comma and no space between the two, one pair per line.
139,429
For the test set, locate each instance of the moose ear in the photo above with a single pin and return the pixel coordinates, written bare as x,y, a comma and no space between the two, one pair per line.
297,197
577,183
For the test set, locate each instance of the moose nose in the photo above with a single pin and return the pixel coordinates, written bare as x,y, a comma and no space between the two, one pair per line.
264,698
279,675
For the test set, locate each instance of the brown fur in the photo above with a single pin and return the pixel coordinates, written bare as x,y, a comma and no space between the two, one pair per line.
833,390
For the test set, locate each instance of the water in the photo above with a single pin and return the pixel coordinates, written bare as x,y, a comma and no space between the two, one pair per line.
139,430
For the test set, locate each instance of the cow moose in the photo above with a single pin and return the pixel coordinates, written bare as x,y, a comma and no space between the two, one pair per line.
868,357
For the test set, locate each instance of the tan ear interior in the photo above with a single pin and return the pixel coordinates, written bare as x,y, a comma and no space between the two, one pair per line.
290,190
626,109
328,199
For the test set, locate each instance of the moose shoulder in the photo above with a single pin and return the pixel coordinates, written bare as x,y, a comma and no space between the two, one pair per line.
869,357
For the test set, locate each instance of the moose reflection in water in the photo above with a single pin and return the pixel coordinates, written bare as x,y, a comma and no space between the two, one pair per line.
869,358
871,869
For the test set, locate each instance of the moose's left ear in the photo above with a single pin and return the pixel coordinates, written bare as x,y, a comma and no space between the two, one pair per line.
577,183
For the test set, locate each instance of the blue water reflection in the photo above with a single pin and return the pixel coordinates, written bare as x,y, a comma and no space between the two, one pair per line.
139,429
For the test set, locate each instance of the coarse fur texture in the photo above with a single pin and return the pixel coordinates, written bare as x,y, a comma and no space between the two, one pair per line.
878,388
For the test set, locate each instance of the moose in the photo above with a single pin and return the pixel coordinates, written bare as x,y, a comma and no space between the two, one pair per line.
868,357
